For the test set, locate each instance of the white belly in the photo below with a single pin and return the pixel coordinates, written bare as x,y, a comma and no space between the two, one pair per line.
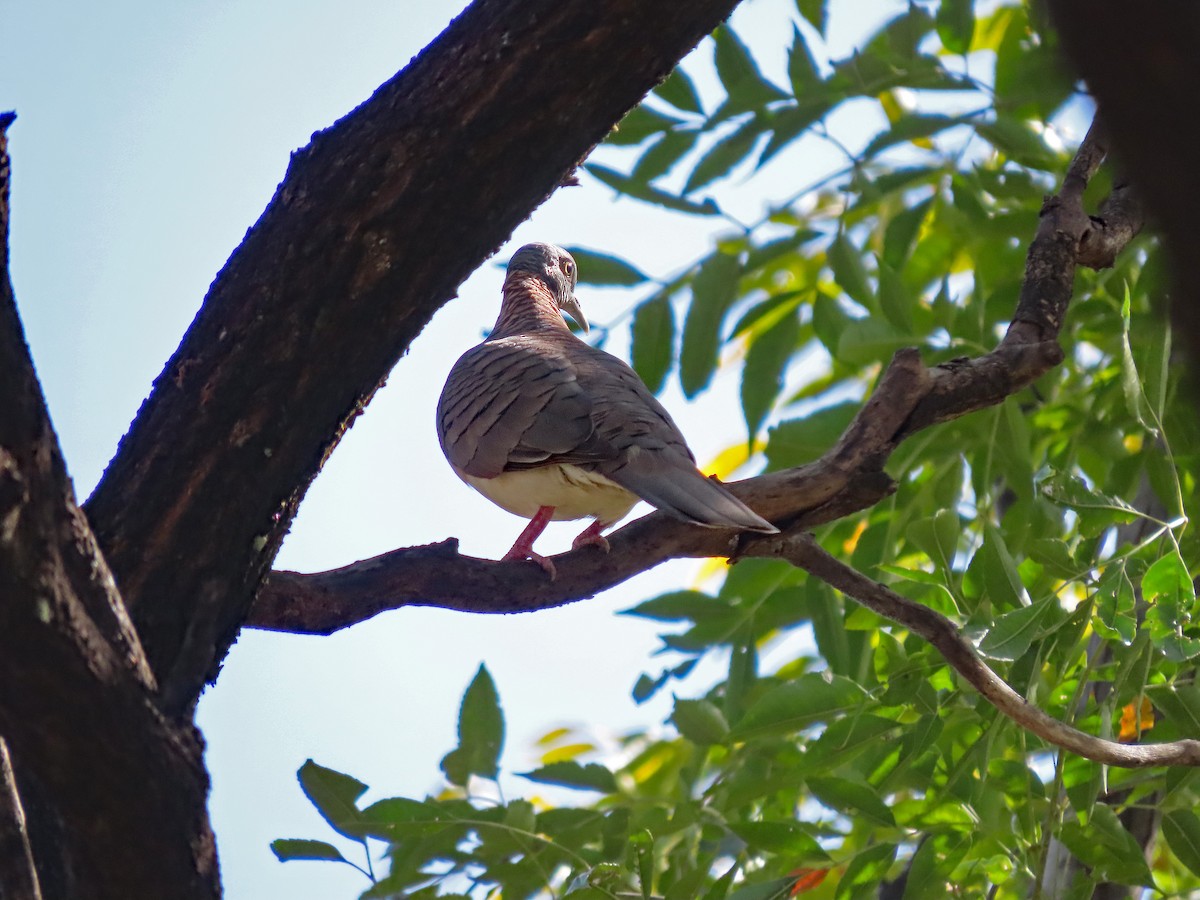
573,492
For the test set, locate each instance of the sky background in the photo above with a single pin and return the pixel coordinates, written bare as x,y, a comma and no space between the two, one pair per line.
149,137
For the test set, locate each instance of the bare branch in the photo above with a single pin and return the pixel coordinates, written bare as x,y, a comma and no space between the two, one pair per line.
803,551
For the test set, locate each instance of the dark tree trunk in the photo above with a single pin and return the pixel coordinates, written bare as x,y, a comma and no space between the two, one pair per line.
376,224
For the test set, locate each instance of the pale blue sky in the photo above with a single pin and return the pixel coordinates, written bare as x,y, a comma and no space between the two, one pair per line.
150,136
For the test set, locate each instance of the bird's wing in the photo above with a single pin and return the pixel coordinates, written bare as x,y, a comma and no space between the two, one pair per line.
516,403
652,458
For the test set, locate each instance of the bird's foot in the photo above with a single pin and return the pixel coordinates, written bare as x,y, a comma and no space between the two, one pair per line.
517,552
591,537
523,548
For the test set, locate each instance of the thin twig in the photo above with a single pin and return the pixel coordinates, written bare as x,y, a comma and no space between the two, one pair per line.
803,551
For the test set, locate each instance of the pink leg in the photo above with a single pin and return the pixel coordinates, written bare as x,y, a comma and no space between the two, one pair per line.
591,537
523,548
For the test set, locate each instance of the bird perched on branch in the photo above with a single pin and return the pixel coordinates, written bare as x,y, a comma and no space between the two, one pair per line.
548,427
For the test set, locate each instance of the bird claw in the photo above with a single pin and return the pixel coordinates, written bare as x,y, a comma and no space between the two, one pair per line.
516,553
591,537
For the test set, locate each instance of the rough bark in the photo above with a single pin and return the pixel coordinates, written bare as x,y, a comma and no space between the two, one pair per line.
120,789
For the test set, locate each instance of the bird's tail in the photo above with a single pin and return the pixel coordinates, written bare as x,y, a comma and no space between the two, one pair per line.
682,491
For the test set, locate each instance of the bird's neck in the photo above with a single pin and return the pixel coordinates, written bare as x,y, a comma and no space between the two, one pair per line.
527,306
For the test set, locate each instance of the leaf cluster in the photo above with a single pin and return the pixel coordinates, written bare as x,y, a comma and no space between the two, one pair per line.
1052,528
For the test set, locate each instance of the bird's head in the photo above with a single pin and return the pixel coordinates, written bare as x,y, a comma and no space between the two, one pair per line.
555,268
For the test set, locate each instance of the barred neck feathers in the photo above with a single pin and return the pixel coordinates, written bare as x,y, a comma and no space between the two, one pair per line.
527,306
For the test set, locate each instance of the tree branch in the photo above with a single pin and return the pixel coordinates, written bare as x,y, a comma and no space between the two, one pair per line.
122,790
375,225
908,398
803,551
849,477
18,877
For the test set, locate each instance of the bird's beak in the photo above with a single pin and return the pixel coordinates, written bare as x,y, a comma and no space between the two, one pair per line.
571,307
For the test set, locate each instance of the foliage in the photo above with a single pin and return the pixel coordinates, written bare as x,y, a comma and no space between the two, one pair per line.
1052,528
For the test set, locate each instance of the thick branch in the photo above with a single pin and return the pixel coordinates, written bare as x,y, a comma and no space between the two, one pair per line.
376,224
803,551
123,789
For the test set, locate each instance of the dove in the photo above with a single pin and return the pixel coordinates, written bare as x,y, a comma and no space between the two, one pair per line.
550,428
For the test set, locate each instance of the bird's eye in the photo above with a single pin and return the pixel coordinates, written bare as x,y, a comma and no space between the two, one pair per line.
568,268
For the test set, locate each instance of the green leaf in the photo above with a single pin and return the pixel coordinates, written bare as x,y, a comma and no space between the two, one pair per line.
815,12
1181,828
937,537
786,838
956,24
909,127
797,441
286,849
1004,583
790,707
679,606
725,154
605,269
653,346
1180,703
639,123
1171,594
631,187
846,738
762,376
679,91
740,75
663,153
802,68
895,300
335,796
700,722
480,732
830,321
1013,633
1105,845
932,865
1131,382
641,846
592,777
1116,605
1020,143
846,261
851,797
789,123
713,291
865,872
869,340
902,231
